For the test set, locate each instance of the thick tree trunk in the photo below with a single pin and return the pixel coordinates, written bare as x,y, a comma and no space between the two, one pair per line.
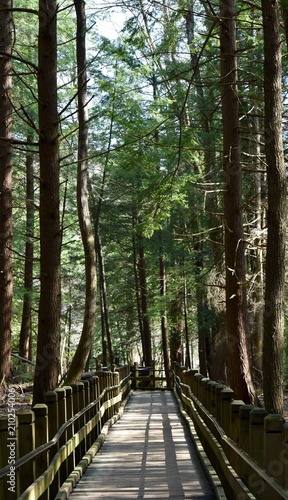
257,335
137,291
202,313
175,315
26,324
273,341
147,348
211,204
5,191
188,361
239,375
84,346
48,346
104,300
164,327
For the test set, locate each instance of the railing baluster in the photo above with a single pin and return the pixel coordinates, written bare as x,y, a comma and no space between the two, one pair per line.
70,430
275,457
62,418
41,437
51,400
26,438
256,434
8,451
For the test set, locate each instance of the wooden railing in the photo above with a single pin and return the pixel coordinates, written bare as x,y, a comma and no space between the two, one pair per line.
55,441
144,377
247,447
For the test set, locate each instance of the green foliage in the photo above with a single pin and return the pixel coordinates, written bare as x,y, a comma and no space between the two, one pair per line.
155,157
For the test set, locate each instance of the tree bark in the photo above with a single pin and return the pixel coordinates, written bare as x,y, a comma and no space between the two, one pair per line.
257,335
164,327
104,300
84,346
136,277
147,349
5,191
239,375
26,324
273,340
48,345
176,327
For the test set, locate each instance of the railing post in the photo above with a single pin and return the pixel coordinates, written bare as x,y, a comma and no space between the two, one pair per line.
92,411
256,435
8,451
62,418
86,392
26,438
275,454
235,420
136,375
116,382
193,381
285,452
97,396
111,409
218,390
94,395
213,397
235,432
244,413
209,406
185,390
86,417
188,377
203,388
51,400
81,396
41,437
226,396
75,397
198,378
70,462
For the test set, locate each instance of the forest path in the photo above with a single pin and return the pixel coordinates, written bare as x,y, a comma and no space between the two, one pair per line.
148,453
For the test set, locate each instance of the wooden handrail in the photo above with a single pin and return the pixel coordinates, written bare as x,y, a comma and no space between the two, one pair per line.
46,446
44,481
215,441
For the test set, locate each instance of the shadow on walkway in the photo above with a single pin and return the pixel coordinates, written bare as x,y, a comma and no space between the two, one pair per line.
148,453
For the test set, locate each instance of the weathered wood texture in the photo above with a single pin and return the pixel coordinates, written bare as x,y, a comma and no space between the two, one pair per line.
147,454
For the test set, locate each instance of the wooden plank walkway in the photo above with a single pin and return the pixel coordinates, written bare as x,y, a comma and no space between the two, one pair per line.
148,453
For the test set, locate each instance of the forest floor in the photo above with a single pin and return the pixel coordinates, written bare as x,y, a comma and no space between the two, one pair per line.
24,396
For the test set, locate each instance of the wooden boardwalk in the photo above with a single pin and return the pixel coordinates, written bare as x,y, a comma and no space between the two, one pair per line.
148,453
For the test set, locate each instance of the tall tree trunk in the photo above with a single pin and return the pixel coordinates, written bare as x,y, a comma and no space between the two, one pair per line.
48,345
211,204
276,216
5,191
104,301
147,349
175,315
185,314
137,291
164,327
257,336
84,346
26,324
202,313
239,375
